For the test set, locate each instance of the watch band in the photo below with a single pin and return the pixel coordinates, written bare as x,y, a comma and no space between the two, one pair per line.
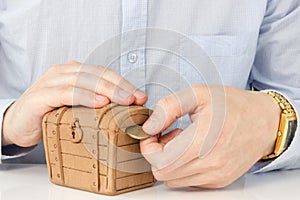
287,125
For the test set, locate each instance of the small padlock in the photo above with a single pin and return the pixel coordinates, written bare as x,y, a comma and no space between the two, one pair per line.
77,132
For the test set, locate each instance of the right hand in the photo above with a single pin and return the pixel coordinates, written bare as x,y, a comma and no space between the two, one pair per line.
67,84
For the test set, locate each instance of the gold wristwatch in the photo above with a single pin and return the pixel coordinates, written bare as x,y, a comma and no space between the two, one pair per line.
287,125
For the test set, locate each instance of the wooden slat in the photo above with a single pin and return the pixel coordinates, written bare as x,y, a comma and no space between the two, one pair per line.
130,167
110,115
80,149
103,188
57,169
74,148
134,180
80,180
46,148
95,164
103,169
82,163
77,179
112,162
87,117
76,162
66,134
51,143
129,152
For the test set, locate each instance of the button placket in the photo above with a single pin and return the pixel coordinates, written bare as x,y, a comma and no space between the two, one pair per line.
134,23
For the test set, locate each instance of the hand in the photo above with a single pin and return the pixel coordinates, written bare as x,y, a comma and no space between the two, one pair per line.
66,84
239,131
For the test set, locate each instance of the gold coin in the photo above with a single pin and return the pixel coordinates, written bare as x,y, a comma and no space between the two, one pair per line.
136,132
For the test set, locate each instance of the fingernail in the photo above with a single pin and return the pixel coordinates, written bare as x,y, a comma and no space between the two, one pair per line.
126,96
139,94
150,126
100,98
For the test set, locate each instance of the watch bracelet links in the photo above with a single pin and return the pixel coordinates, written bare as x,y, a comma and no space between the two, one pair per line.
286,108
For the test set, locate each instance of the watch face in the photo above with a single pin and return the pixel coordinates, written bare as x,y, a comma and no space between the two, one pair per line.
292,125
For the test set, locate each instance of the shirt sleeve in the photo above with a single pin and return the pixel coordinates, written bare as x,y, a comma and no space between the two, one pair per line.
277,67
10,151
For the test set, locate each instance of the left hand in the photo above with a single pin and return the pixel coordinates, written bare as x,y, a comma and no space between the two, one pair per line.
242,129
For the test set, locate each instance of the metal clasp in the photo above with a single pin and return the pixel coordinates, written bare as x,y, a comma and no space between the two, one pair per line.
77,132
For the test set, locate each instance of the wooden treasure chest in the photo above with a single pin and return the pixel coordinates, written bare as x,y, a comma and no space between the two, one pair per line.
88,149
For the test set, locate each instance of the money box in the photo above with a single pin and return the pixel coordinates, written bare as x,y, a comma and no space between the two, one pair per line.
88,149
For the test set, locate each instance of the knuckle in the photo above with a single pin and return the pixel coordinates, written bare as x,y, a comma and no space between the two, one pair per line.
200,91
55,69
198,87
73,62
164,102
123,82
100,67
72,78
70,96
103,84
219,163
166,106
101,70
65,94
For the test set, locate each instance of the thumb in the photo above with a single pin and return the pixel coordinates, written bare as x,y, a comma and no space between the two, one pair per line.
170,108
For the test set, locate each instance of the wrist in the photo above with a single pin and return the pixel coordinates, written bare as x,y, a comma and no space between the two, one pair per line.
286,127
272,111
5,128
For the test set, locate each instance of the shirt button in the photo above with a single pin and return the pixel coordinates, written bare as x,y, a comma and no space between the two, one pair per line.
132,57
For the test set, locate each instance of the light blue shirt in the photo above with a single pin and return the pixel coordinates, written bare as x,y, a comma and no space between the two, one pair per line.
250,43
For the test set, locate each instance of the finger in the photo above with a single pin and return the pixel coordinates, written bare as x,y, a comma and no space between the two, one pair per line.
196,180
155,145
92,83
169,136
140,97
173,107
212,179
115,78
102,73
53,98
176,152
190,168
84,98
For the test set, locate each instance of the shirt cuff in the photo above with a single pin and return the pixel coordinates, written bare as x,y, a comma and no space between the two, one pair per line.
290,158
14,151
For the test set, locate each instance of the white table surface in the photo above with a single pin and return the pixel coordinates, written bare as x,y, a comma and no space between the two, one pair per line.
31,182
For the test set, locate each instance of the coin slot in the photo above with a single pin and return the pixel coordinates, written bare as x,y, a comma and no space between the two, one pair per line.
73,134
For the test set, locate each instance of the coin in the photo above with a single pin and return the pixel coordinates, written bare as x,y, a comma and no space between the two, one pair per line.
136,132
